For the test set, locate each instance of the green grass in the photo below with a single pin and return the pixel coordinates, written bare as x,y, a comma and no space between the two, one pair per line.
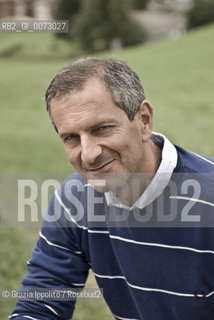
36,46
178,77
15,250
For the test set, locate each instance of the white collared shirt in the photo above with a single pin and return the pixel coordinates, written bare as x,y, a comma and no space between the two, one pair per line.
159,181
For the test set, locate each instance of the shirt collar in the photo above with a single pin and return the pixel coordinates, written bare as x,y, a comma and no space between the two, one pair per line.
159,181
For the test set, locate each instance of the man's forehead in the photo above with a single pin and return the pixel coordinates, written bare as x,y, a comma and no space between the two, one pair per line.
93,84
93,94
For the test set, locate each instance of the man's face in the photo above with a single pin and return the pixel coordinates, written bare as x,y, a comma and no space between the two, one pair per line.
99,139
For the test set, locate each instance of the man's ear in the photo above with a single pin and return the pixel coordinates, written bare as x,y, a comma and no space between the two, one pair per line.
145,114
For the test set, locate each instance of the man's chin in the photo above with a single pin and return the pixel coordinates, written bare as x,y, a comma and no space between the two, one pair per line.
100,185
100,189
107,182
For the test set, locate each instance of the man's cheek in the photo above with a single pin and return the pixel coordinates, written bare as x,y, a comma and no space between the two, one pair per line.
71,158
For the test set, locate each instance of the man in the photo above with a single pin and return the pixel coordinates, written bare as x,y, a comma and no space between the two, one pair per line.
133,212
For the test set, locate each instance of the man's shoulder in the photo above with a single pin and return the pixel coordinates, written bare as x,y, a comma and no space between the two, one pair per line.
189,161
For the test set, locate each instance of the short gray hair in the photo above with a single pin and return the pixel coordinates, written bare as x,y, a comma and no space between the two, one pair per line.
123,83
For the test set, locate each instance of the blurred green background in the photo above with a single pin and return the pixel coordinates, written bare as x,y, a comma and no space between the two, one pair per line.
178,78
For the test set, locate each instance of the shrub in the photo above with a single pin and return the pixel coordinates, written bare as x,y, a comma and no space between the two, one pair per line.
202,12
100,22
139,4
66,10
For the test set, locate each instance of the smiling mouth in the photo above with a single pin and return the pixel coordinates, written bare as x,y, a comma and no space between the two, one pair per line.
102,168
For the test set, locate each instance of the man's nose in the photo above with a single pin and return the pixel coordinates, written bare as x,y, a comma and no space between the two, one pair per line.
90,150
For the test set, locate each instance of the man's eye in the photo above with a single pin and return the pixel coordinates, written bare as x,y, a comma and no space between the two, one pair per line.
104,128
70,138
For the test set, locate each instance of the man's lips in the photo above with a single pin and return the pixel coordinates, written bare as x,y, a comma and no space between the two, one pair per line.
102,168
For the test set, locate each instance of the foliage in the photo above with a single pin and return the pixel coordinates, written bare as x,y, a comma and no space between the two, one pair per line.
139,4
66,10
202,12
91,28
95,24
122,26
102,21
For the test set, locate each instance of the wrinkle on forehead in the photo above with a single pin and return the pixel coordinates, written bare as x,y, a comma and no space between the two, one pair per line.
78,111
96,85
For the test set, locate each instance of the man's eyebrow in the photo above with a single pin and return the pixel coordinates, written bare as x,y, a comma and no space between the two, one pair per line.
66,134
90,128
103,123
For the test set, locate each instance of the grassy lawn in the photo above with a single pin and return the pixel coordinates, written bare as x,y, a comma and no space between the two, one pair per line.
178,79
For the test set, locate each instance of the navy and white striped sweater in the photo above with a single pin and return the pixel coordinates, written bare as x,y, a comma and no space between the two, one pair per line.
149,273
